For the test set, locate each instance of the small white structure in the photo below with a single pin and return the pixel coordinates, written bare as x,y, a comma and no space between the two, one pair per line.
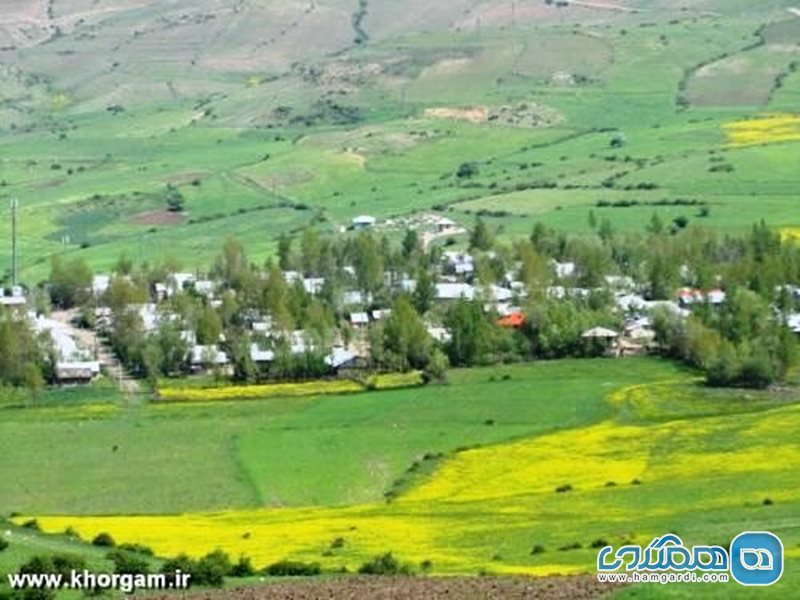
100,285
202,356
564,270
359,319
449,292
364,222
600,333
794,323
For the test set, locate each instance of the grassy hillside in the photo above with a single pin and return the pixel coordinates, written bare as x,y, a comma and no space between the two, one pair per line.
680,459
271,117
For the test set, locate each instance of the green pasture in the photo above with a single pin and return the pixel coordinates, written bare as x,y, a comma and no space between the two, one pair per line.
92,181
711,459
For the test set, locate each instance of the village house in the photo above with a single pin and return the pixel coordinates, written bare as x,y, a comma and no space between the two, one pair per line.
364,222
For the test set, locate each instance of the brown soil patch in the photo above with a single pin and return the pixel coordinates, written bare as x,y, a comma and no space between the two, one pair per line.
582,587
478,114
157,217
50,183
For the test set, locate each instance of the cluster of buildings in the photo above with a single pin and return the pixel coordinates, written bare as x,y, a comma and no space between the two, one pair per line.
455,280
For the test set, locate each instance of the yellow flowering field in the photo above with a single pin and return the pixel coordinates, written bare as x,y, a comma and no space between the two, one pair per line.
484,508
240,392
388,381
765,130
791,233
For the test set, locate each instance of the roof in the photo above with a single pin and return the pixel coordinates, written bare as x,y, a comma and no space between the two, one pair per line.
339,357
454,291
514,320
257,355
364,220
599,333
12,301
200,354
359,318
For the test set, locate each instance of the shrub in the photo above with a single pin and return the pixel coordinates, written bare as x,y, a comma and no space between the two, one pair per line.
212,569
3,544
137,548
180,563
32,524
426,565
242,568
385,564
563,488
339,541
104,540
599,543
538,549
290,568
568,547
767,502
128,563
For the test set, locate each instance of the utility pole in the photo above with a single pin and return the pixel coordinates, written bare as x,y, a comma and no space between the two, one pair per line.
14,258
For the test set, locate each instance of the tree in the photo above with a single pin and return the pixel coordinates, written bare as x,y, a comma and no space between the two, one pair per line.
285,252
436,369
618,140
70,281
424,293
406,339
480,238
209,327
175,199
411,244
310,251
234,262
656,225
469,336
467,170
368,263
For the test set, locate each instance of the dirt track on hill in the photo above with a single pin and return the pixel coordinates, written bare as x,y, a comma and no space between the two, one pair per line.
583,587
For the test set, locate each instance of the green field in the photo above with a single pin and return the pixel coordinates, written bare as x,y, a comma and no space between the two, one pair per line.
308,470
273,134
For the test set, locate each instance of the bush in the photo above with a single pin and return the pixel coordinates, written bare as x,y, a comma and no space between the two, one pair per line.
757,372
137,548
339,541
538,549
3,544
32,524
599,543
181,563
290,568
563,488
212,569
385,564
104,540
568,547
128,563
242,568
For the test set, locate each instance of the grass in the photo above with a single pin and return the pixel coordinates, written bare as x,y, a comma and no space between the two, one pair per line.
243,170
681,458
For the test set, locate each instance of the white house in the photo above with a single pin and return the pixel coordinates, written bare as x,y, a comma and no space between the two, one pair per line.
364,222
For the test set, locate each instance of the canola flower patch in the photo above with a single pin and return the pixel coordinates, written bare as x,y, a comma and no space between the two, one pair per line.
388,381
483,509
244,392
766,130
